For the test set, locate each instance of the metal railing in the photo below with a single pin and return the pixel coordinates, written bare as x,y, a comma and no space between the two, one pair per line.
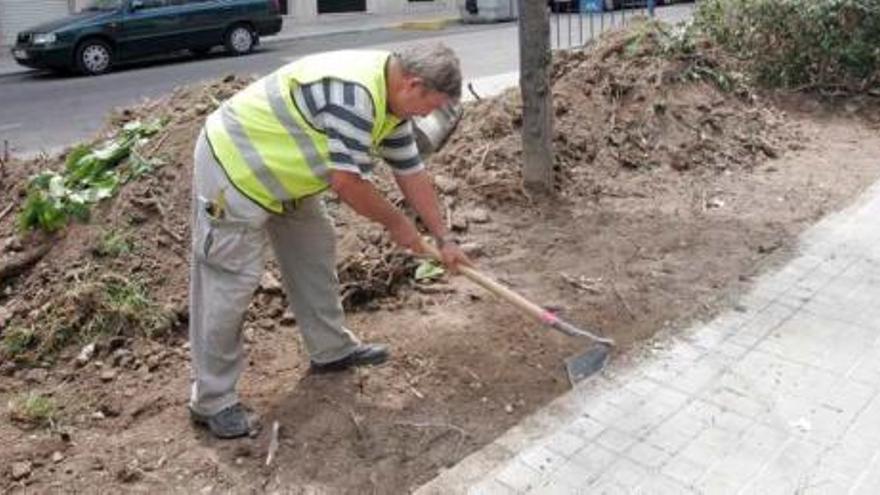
574,23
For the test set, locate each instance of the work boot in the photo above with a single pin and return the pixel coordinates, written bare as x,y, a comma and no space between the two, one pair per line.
233,422
363,354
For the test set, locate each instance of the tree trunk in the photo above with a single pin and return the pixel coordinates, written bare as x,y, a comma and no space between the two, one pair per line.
534,82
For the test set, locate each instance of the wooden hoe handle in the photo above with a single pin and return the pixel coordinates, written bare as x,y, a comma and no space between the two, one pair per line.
537,312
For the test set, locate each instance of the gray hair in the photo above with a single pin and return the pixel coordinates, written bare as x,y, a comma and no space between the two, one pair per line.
436,64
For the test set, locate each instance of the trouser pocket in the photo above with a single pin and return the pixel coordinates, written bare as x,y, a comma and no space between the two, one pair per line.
229,245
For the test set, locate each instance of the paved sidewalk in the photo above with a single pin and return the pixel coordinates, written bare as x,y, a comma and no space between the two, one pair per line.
325,24
779,395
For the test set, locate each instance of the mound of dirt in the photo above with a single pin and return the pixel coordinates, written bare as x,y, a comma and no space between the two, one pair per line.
676,185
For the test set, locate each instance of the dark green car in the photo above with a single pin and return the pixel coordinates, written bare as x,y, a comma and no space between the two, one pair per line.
110,31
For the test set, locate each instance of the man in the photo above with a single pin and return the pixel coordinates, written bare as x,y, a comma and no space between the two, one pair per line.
261,163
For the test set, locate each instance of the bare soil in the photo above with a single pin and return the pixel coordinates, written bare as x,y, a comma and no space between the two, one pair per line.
672,196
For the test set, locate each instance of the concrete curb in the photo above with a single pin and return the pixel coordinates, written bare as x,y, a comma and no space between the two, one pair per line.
428,25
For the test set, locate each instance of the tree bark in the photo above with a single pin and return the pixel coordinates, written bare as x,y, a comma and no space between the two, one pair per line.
534,82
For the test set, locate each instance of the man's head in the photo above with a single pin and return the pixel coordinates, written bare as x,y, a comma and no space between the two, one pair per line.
423,78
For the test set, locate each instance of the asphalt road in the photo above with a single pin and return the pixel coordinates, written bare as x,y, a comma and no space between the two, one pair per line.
42,112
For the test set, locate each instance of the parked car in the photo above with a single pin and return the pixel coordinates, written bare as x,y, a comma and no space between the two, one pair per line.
109,31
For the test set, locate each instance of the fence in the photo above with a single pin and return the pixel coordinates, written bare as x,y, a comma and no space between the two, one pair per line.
574,23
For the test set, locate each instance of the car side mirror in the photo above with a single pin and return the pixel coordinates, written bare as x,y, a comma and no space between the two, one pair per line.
136,5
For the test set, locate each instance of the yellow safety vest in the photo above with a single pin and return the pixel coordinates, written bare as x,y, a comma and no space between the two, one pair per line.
269,151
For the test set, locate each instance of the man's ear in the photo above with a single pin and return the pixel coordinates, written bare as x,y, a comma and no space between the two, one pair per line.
414,82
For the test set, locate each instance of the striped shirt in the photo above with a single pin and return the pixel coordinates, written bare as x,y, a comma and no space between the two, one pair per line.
344,112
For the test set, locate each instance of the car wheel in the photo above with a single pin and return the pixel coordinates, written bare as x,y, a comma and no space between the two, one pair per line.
94,57
240,40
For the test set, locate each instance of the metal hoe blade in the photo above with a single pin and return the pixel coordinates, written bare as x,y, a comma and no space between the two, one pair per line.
583,365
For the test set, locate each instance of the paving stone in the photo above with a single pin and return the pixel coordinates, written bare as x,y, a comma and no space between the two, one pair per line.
586,428
570,476
671,437
541,459
623,473
661,485
648,455
594,459
518,476
615,440
684,469
491,487
789,471
564,443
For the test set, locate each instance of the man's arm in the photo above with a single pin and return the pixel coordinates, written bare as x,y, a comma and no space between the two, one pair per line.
362,197
418,189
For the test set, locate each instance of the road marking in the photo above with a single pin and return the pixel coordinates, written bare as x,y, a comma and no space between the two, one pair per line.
10,127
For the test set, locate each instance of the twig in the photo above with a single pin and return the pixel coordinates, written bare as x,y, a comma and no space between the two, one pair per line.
623,302
416,392
470,88
21,263
6,211
485,154
170,233
159,144
273,443
449,426
356,421
579,283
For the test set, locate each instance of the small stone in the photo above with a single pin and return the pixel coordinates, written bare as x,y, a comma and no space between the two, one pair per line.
7,368
36,375
108,375
98,416
472,249
21,470
57,457
5,316
270,284
477,215
267,324
288,318
153,362
715,203
12,244
508,408
250,335
458,222
129,474
85,355
119,357
445,184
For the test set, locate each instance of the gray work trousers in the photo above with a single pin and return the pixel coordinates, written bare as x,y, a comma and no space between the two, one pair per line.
228,259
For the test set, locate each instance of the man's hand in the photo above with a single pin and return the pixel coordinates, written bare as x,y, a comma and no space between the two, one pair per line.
452,256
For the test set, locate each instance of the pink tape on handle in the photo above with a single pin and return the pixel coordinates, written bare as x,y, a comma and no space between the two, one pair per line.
549,318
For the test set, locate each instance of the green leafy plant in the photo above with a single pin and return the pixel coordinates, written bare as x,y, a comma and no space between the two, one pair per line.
90,175
115,243
799,43
428,270
17,340
33,409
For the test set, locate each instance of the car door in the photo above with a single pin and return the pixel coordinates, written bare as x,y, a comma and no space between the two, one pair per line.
149,27
205,21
